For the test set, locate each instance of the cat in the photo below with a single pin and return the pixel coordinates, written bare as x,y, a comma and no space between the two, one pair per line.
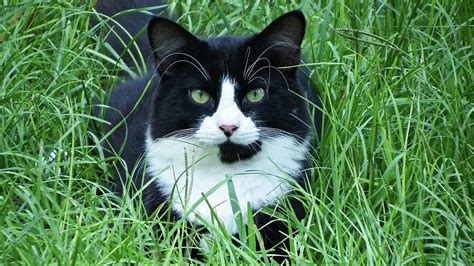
212,115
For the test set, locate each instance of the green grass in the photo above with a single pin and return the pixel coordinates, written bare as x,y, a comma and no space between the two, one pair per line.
393,178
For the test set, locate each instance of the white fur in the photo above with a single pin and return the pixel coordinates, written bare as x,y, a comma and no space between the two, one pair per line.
187,171
186,168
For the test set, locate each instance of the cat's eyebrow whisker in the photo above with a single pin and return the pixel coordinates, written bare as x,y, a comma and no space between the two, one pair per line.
264,51
267,84
185,61
264,81
258,77
247,56
260,69
281,74
249,70
268,48
200,68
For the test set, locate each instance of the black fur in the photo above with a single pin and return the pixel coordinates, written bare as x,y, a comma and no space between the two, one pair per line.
230,152
135,24
166,106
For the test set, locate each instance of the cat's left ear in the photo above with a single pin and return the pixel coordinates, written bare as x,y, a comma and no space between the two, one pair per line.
282,39
170,43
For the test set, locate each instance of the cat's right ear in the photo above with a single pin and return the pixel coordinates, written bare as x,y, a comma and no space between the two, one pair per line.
170,42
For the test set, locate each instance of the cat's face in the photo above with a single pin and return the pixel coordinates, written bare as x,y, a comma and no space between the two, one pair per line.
229,92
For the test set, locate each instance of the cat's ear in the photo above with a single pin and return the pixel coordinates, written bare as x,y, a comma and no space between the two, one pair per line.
170,42
282,39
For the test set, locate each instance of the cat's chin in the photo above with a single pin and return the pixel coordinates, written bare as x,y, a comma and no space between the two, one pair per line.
231,152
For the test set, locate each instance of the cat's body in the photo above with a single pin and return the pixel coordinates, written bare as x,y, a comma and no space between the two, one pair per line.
216,110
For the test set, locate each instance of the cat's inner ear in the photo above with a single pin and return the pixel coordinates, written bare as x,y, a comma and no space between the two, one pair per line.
281,39
171,43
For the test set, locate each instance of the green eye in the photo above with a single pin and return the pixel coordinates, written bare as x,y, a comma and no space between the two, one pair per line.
255,96
200,96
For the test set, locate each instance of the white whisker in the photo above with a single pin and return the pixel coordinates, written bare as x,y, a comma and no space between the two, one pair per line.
283,76
201,69
186,61
270,132
270,47
247,56
301,120
181,133
254,63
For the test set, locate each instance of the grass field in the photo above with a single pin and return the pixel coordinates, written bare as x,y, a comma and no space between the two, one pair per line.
393,178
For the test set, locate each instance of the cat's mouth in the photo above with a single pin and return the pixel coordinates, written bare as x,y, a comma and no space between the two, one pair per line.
230,152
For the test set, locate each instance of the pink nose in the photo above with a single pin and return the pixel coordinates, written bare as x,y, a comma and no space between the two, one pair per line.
228,129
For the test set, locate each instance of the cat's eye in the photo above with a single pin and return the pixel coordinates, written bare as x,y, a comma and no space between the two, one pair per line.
256,95
200,96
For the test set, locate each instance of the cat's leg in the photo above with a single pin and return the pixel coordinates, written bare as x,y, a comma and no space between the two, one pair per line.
275,232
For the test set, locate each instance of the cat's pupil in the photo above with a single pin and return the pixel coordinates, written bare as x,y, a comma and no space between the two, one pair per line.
200,96
255,95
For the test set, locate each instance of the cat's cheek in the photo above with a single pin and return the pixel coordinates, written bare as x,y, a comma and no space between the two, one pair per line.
247,133
245,139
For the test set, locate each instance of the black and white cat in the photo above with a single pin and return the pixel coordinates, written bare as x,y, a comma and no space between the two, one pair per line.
215,109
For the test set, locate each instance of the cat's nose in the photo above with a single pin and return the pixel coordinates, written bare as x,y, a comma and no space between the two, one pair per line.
228,129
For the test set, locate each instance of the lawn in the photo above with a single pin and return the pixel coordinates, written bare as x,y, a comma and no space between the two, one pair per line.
392,179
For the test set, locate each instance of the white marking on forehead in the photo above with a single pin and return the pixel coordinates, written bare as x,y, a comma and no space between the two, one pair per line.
227,90
227,113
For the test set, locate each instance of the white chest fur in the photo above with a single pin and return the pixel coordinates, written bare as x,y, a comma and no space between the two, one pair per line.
185,172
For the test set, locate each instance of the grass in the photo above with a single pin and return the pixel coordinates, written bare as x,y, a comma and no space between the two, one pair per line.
393,177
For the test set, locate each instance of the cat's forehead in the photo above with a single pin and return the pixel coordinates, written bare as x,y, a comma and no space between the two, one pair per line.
226,45
230,57
225,54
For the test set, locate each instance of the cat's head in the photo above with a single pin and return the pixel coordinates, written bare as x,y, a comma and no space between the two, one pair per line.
229,92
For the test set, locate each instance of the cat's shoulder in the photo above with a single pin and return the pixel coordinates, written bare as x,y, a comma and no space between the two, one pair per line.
127,98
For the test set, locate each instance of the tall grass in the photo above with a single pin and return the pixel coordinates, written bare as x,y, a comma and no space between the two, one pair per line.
393,175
